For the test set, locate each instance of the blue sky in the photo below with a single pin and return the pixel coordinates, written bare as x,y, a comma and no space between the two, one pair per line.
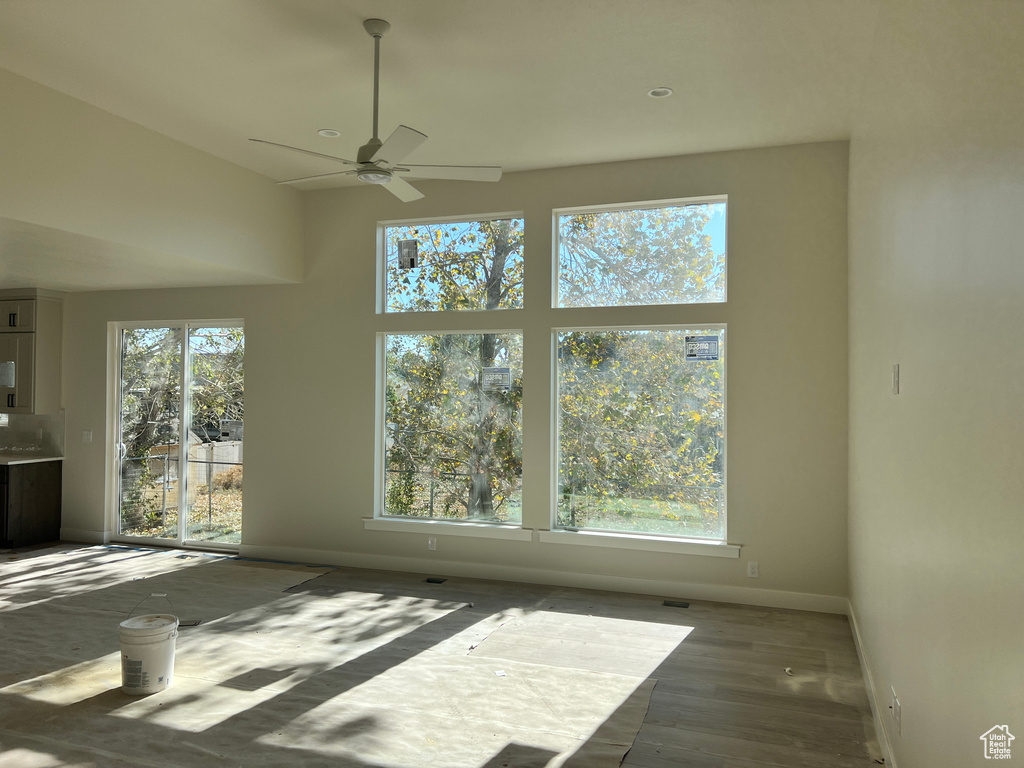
716,228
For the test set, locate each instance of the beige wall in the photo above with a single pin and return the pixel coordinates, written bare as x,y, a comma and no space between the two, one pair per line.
80,170
937,285
310,378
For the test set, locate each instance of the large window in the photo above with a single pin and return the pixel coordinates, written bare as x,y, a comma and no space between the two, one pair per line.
641,431
453,418
659,253
451,398
641,410
638,419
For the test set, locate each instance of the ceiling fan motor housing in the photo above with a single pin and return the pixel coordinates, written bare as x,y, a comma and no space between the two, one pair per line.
371,173
368,150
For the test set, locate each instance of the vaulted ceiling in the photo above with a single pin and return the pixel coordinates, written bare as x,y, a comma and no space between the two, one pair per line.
523,84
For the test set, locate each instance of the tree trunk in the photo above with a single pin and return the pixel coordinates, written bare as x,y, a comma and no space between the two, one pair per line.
481,494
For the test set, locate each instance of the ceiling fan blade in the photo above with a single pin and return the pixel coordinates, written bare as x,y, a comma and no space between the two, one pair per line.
318,176
400,143
307,152
402,189
455,172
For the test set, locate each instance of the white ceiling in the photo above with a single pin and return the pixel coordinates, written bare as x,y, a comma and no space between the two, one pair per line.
519,83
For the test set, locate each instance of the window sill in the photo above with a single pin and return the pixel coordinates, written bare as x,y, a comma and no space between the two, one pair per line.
640,542
449,528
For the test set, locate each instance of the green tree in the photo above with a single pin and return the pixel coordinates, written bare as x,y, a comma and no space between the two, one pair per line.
442,421
217,380
453,447
640,433
150,397
470,265
641,256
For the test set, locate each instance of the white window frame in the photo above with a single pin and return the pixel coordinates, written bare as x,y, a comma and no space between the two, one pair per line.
629,539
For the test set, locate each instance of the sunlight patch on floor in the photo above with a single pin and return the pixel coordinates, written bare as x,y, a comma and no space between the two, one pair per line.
395,674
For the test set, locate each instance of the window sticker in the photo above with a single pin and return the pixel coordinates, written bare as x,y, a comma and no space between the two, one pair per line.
701,347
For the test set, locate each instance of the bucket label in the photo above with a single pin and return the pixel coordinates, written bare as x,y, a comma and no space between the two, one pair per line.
134,677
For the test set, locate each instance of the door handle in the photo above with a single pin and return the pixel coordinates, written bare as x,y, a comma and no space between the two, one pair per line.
10,400
12,320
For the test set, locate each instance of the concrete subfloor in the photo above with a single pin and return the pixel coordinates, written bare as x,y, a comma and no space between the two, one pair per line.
308,666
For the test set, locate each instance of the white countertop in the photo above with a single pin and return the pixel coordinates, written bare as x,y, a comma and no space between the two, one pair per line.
26,458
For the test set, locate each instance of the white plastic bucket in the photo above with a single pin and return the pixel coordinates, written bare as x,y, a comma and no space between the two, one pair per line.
147,652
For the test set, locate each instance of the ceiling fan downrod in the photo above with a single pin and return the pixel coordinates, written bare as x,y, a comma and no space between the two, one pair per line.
375,28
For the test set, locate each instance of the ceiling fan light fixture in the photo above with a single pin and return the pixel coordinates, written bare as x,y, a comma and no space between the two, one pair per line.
374,175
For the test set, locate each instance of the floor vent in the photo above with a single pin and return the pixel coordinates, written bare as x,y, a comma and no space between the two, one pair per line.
436,580
676,604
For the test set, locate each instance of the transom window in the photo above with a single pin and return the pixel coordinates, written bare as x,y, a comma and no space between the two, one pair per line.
654,253
454,265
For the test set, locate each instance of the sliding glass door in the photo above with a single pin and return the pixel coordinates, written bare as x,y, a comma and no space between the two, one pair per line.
213,510
180,404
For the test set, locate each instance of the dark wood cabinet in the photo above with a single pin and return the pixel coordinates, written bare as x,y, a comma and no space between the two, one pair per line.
30,497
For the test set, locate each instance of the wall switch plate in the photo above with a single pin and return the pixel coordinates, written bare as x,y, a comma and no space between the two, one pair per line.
431,543
897,713
752,571
896,379
86,435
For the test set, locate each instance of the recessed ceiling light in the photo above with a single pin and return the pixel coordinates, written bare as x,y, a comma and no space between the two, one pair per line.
329,133
660,92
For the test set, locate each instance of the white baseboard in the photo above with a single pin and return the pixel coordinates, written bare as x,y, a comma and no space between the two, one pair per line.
84,536
719,593
876,707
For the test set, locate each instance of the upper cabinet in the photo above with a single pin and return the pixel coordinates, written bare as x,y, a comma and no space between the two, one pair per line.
17,315
30,352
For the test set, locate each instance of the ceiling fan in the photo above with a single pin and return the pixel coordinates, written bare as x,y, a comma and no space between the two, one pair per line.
381,162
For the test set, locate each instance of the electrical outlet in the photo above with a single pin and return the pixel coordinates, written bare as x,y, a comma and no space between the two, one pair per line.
752,571
87,436
896,710
431,543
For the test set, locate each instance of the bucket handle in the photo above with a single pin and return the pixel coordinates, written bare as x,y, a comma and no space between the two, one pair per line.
147,597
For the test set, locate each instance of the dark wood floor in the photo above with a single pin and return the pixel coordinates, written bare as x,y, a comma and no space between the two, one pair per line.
725,700
723,686
723,697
